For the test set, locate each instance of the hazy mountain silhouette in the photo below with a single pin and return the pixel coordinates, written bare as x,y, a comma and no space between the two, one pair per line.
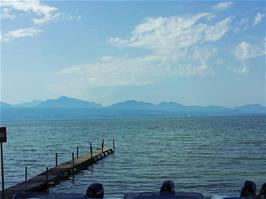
67,102
5,105
70,108
167,106
32,103
209,109
252,108
133,105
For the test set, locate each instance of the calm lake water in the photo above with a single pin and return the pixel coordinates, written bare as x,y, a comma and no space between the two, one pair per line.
211,155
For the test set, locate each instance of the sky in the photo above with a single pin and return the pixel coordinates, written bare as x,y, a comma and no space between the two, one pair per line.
190,52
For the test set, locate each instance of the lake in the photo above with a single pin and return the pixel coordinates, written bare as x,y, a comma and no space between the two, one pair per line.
211,155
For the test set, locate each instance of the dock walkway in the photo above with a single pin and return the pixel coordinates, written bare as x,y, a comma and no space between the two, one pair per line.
53,176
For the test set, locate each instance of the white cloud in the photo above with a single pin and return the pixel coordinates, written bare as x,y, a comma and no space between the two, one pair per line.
258,18
37,11
19,33
223,5
106,58
123,71
112,71
163,34
243,24
242,50
178,41
242,68
65,16
5,14
249,22
245,51
217,31
178,46
43,12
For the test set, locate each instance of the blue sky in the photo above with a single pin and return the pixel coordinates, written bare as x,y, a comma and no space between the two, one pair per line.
191,52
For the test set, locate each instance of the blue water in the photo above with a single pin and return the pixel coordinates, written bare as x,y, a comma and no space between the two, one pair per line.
211,155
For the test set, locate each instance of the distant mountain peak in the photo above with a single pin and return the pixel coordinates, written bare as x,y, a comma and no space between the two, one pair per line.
4,105
252,108
30,104
136,101
64,97
169,103
170,106
67,102
251,105
133,105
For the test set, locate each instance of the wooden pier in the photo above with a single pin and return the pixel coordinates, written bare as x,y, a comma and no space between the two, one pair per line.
55,175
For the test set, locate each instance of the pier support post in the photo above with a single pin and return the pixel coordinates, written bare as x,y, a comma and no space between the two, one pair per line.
56,159
77,151
2,171
73,167
113,143
46,176
26,174
102,145
91,149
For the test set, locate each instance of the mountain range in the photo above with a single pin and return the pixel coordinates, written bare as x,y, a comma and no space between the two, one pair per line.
63,107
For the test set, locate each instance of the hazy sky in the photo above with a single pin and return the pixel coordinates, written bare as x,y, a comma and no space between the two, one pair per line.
195,53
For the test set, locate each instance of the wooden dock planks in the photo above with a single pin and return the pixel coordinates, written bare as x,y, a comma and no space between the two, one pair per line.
44,180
